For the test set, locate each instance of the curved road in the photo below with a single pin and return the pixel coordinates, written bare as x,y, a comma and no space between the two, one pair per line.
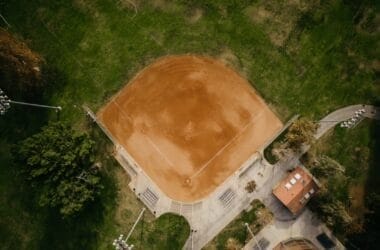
344,114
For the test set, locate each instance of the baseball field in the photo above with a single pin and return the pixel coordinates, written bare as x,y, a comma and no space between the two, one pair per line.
189,122
302,57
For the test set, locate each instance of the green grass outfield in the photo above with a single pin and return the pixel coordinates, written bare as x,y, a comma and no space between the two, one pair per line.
301,56
97,46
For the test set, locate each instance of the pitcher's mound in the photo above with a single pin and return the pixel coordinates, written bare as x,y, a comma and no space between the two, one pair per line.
189,118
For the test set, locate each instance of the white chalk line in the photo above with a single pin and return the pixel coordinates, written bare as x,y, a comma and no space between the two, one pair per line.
225,146
212,158
122,111
159,151
147,137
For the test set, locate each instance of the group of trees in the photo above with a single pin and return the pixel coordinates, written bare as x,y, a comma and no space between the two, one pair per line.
300,133
57,162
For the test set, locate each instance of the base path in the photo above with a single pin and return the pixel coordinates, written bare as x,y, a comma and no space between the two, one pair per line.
189,122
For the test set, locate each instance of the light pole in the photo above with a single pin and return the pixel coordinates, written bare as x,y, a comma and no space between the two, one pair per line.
5,104
120,243
253,236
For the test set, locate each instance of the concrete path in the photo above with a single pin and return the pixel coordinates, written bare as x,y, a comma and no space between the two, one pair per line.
343,114
306,225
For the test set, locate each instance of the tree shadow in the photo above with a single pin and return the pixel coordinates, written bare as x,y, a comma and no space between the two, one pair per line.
81,231
370,237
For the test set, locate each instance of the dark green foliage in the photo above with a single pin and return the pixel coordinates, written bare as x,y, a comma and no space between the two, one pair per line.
357,152
58,162
332,203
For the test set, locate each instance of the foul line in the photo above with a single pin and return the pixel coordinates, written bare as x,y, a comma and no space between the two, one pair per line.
212,158
122,112
148,138
159,151
225,146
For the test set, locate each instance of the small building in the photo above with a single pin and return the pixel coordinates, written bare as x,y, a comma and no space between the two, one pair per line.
296,189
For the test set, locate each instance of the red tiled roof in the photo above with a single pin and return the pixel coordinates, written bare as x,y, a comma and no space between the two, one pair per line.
296,189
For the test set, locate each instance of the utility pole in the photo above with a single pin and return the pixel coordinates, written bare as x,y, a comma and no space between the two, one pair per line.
5,104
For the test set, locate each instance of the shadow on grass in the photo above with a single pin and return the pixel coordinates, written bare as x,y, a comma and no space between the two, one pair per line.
370,237
81,231
24,224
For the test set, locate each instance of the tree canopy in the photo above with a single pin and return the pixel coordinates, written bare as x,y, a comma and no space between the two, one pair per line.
58,162
20,67
301,132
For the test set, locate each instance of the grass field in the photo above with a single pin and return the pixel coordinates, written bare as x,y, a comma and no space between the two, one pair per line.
98,45
307,57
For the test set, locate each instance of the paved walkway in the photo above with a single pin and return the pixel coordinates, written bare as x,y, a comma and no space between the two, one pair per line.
343,114
306,225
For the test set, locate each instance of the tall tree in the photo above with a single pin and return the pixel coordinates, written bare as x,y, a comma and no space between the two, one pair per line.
301,132
58,162
20,67
335,214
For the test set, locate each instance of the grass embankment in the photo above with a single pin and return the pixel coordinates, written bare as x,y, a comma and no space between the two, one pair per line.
235,234
303,57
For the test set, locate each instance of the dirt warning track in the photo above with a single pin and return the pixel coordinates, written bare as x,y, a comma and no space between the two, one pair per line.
189,122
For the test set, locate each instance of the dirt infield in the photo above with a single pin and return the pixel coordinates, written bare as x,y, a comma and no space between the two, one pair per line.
189,122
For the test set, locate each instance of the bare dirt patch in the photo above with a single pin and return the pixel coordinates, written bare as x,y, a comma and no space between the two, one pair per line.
357,194
165,5
189,122
195,15
278,18
229,58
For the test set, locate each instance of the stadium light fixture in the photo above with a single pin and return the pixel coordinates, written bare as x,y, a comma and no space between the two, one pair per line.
253,236
5,104
120,243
